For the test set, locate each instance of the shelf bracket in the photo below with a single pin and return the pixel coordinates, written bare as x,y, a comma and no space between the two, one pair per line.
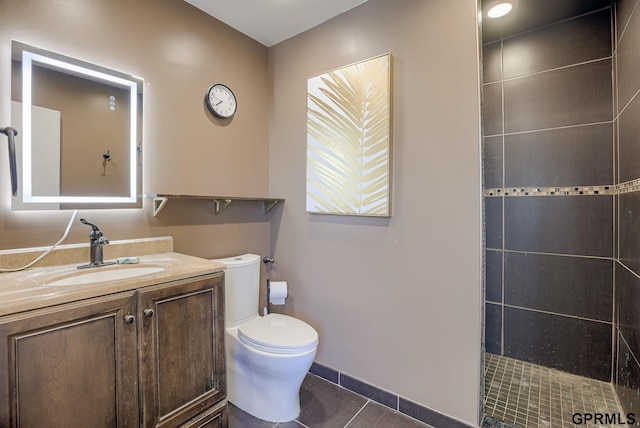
158,204
267,205
220,204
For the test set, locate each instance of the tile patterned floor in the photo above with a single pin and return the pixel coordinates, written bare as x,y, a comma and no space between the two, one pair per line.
531,396
326,405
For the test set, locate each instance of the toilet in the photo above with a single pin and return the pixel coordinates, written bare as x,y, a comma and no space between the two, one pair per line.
267,356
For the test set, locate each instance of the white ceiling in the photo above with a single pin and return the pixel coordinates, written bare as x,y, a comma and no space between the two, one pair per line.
272,21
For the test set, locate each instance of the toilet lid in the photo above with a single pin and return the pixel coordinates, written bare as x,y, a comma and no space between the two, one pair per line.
280,334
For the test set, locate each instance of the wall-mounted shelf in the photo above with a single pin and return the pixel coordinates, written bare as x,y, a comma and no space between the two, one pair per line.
219,202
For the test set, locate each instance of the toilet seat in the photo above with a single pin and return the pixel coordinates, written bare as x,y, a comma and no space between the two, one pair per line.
278,334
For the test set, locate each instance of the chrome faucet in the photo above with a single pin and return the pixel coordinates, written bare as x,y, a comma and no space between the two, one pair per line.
96,241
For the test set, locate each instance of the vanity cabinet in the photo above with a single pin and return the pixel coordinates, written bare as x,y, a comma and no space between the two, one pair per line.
152,357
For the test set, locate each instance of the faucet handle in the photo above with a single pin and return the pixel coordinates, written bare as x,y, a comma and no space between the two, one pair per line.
95,231
93,226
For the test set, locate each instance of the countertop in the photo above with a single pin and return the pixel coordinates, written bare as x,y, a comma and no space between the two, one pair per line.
28,290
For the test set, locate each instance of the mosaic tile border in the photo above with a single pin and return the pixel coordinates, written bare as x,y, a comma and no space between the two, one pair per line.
612,189
628,186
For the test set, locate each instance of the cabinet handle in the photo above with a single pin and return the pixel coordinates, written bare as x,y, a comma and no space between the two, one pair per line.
148,313
128,319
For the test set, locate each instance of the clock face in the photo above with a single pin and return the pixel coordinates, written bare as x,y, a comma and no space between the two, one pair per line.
221,101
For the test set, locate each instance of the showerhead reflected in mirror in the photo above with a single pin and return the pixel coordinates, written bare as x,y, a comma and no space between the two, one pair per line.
70,114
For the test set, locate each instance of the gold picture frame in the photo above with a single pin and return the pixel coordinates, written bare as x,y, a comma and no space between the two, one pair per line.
349,139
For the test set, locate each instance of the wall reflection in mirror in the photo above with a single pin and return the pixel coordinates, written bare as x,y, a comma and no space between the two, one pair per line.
80,132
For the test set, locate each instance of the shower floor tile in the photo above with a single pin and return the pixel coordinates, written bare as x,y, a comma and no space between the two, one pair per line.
531,396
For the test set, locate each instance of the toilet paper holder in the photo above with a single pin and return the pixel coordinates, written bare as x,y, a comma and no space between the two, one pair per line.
268,308
280,294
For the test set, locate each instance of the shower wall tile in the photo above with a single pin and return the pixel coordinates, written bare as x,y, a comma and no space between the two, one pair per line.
492,161
577,156
628,61
616,152
493,222
616,228
550,124
614,74
492,62
493,328
493,278
627,304
573,345
492,108
623,10
627,382
571,42
629,230
576,286
568,96
629,131
579,225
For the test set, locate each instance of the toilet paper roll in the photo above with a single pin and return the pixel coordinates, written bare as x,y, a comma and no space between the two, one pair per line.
278,292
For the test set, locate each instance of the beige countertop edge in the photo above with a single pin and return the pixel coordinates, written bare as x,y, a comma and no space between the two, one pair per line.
23,291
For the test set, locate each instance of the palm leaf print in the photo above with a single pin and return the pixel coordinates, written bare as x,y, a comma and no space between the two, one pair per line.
348,139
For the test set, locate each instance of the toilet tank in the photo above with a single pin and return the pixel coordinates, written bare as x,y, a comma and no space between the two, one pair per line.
241,286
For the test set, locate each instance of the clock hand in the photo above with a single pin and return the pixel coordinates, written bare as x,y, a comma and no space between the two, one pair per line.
219,102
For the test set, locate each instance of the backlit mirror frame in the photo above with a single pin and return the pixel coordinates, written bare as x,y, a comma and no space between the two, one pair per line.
31,56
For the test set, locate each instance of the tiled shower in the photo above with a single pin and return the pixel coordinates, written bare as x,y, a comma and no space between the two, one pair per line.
562,200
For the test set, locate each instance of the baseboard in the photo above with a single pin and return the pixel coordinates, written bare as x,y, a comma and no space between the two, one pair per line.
386,398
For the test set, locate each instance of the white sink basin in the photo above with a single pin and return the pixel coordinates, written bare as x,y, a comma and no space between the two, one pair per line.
99,275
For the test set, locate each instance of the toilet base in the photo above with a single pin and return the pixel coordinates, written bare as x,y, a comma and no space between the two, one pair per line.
258,402
267,386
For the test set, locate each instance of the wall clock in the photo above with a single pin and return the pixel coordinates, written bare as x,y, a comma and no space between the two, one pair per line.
221,101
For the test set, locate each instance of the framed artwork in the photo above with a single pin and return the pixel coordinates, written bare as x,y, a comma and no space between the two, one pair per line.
349,132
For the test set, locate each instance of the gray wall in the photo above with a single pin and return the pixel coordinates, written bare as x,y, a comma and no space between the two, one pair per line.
548,124
397,301
176,48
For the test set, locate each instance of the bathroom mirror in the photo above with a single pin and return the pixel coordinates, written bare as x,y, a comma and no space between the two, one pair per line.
79,142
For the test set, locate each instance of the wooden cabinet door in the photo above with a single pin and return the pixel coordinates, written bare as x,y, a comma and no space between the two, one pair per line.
70,366
181,334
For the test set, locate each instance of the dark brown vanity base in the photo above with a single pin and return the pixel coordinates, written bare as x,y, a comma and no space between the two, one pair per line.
150,357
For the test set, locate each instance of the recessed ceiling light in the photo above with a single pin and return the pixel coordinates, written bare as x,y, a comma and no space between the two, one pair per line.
499,8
